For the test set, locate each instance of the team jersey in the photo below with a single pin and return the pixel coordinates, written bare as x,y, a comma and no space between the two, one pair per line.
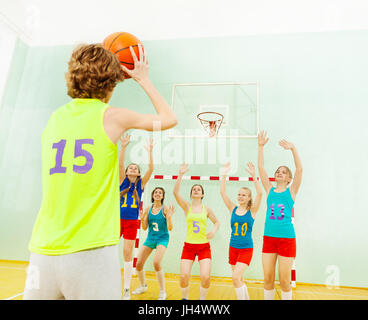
129,205
278,217
196,226
157,226
80,182
241,230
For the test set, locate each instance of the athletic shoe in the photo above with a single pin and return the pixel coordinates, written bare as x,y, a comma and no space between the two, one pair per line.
126,294
162,295
140,290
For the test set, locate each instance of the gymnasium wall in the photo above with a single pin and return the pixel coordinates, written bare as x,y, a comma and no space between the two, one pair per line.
312,92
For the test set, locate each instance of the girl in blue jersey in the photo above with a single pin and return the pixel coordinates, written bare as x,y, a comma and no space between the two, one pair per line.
131,188
242,219
157,219
279,236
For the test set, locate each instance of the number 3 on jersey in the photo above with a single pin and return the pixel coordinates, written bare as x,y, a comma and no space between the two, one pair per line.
133,205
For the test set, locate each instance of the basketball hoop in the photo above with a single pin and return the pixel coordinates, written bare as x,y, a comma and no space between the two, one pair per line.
211,122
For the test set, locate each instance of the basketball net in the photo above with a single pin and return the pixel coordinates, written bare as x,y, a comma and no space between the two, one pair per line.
211,122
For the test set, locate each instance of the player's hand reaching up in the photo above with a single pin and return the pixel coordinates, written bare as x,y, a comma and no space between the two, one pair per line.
225,169
262,138
149,145
124,140
251,169
183,169
287,145
170,211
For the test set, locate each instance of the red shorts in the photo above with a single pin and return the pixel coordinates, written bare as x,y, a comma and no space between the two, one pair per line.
285,247
191,250
240,255
128,229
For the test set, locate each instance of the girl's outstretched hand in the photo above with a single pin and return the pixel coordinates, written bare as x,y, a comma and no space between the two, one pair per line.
149,145
124,140
170,211
262,138
287,145
184,168
225,169
251,169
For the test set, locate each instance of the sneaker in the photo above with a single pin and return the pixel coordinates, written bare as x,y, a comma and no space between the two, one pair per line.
126,294
162,295
140,290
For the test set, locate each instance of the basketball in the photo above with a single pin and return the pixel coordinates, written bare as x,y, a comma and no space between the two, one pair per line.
118,43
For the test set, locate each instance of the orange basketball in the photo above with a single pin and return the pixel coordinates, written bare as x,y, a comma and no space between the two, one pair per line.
118,43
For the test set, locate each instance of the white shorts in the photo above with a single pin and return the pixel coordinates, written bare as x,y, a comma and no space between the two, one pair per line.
86,275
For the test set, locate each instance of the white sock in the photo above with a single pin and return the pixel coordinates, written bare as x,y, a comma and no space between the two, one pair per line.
239,293
269,294
185,292
246,295
140,275
161,279
203,293
287,295
128,271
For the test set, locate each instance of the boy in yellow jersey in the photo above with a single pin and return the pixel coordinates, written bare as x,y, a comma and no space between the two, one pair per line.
196,242
74,243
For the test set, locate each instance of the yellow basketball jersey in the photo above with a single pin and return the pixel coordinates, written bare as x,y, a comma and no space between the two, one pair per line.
80,182
197,226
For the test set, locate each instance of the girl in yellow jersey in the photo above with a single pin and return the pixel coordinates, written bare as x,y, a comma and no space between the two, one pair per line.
196,242
74,244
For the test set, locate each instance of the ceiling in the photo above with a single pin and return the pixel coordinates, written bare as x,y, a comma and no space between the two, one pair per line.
51,22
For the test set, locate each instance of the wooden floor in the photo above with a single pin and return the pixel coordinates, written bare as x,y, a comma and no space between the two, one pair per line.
13,275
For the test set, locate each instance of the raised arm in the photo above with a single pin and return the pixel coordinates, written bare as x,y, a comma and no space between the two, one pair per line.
257,202
298,167
121,119
149,171
228,203
144,219
262,140
124,140
179,199
169,211
215,221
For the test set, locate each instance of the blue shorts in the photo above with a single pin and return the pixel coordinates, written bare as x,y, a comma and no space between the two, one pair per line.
153,243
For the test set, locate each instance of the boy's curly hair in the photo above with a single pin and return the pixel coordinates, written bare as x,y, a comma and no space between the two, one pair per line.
93,72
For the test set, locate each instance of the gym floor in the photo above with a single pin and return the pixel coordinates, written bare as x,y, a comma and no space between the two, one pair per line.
13,275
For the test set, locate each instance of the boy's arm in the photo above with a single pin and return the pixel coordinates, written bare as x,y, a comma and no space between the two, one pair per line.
118,120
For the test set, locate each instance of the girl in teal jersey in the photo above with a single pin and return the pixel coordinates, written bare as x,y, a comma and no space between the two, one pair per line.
279,236
157,219
242,219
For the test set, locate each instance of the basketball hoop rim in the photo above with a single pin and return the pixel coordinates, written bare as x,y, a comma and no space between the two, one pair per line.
210,112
